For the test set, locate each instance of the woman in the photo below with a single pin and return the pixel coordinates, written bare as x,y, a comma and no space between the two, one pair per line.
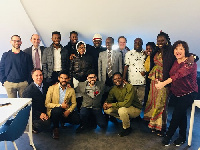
184,89
80,64
155,107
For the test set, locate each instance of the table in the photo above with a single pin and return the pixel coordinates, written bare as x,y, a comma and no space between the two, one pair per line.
8,111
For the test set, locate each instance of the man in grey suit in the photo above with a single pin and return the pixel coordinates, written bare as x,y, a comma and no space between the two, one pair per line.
35,40
105,68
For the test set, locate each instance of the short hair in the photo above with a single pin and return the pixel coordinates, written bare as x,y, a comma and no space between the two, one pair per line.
56,32
166,36
63,72
73,32
117,73
15,35
184,44
35,69
122,37
91,71
140,40
111,39
152,44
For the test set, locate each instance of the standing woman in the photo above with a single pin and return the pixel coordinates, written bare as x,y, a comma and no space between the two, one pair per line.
155,107
184,89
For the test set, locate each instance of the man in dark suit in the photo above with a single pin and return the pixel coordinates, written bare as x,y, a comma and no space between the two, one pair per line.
35,51
37,91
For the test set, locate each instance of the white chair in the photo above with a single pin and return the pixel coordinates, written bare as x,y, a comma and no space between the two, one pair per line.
196,103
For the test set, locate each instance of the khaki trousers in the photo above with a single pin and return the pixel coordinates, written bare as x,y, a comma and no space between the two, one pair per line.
124,114
13,88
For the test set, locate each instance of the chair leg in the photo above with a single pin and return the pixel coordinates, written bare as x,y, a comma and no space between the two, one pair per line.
191,125
15,145
6,146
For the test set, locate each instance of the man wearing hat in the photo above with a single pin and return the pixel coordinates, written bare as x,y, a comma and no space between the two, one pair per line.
95,50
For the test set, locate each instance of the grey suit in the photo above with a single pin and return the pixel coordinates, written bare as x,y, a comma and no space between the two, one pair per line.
102,64
29,51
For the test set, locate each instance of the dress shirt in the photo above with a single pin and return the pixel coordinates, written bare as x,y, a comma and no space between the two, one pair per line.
62,94
39,87
33,56
57,60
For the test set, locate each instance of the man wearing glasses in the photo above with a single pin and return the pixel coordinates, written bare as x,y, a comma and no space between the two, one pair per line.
15,69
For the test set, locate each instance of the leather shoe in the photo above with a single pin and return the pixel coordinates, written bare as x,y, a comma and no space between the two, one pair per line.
56,133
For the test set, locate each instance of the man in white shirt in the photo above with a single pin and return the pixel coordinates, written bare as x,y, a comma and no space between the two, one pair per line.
134,65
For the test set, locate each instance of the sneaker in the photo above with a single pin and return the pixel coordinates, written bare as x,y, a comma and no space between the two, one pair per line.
166,141
125,132
179,141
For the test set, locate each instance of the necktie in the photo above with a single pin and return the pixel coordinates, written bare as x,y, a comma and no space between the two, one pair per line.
37,59
109,65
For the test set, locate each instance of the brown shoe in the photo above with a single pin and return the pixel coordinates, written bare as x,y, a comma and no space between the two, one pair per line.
56,133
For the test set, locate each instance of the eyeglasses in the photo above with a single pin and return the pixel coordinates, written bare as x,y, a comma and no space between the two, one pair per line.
16,41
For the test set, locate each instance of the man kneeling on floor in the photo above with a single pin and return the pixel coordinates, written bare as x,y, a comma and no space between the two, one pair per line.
91,108
60,103
127,105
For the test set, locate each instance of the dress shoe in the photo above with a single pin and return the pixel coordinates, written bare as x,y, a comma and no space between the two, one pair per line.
55,133
125,132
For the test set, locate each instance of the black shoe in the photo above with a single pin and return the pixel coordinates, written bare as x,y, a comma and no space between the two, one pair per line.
125,132
113,120
80,129
179,141
166,141
161,133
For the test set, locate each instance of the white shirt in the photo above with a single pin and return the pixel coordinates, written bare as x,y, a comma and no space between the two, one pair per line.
33,56
135,61
57,60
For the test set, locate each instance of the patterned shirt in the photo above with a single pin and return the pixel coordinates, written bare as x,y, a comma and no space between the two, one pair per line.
135,61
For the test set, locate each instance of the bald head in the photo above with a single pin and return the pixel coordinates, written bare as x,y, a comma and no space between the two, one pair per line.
35,40
138,44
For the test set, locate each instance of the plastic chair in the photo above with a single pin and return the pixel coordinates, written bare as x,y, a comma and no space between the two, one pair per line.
14,128
196,103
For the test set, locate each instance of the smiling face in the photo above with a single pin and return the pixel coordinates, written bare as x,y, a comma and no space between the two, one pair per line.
92,78
81,49
73,38
35,40
117,80
138,44
16,42
109,43
161,41
56,38
64,80
122,43
37,77
179,52
97,43
148,50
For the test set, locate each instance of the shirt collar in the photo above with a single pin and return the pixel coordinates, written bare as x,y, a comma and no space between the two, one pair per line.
38,85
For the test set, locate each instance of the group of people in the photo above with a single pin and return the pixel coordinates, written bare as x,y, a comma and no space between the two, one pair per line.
74,83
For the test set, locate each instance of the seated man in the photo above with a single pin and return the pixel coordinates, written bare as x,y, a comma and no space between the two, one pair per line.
91,91
37,91
127,105
60,103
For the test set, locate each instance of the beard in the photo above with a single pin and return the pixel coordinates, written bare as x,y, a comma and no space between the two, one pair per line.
92,82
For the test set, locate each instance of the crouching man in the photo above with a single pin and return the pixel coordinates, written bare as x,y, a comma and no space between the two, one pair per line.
127,105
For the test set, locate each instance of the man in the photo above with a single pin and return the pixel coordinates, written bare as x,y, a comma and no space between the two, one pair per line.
60,103
122,48
95,50
127,104
71,46
109,61
35,51
91,109
134,65
15,69
37,91
54,59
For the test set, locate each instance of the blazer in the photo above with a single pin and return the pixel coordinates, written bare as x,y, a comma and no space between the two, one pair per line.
102,64
38,99
87,100
53,95
29,51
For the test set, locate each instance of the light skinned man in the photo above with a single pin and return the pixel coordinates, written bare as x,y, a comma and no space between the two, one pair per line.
35,51
15,69
60,103
37,91
122,103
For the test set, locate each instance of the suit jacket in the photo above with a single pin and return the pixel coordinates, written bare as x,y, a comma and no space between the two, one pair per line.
87,100
102,64
53,95
29,51
38,99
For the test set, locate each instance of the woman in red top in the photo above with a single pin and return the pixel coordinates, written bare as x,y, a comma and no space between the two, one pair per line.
184,89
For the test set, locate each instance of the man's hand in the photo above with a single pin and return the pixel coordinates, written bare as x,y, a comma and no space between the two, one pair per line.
64,105
143,73
107,105
190,60
66,113
72,56
43,116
